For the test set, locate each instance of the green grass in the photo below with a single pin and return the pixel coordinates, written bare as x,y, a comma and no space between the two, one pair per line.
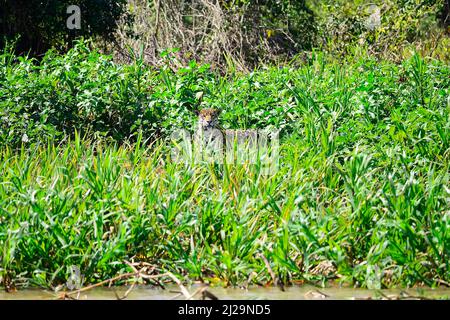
363,179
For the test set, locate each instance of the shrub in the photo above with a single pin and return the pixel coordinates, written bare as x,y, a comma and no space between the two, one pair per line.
87,92
43,26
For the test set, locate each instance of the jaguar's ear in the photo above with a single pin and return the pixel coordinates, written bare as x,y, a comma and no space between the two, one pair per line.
218,112
197,112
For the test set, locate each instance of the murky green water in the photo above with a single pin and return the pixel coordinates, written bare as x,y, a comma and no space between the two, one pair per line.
256,293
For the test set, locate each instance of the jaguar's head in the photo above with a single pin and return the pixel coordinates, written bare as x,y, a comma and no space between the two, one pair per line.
208,118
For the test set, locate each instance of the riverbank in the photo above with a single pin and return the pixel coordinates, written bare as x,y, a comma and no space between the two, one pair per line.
360,195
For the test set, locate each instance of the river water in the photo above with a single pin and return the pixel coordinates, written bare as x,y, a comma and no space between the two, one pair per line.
253,293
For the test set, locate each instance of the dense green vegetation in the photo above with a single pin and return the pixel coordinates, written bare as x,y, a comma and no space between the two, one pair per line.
363,186
246,32
38,26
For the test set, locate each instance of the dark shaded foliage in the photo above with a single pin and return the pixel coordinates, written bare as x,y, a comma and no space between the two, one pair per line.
41,25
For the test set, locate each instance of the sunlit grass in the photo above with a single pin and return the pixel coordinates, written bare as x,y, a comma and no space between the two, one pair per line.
362,185
94,206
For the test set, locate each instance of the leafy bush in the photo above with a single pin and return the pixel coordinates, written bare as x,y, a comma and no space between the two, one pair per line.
86,91
387,29
41,26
